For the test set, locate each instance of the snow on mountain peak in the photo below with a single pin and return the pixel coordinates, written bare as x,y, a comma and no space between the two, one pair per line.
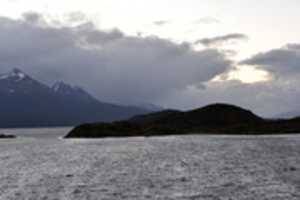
15,74
58,85
18,74
69,90
64,88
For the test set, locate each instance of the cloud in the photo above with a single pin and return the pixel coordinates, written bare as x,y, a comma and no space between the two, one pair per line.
134,70
76,17
112,65
207,20
88,35
220,40
33,17
282,62
278,95
267,99
161,22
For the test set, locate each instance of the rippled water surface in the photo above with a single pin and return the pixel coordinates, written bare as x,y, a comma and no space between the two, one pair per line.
40,165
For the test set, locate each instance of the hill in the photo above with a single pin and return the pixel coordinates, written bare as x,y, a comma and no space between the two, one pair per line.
216,118
288,115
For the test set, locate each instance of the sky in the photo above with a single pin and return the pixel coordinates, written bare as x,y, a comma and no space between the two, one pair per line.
178,54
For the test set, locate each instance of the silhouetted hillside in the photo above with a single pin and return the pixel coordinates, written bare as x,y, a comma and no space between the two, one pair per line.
221,115
5,136
216,118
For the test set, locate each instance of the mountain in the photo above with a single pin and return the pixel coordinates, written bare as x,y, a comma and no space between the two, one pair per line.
151,107
287,115
215,118
26,102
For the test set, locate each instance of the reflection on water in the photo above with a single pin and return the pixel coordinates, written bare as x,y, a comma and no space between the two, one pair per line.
40,133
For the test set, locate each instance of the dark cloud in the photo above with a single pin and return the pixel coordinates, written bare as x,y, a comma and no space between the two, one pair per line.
220,40
88,35
161,22
282,62
112,65
33,17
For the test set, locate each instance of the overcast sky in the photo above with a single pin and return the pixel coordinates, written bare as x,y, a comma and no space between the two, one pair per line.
179,54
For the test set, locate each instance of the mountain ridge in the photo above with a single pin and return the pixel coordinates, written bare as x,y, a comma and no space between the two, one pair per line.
26,102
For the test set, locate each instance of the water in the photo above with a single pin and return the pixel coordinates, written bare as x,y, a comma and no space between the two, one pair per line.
38,133
41,165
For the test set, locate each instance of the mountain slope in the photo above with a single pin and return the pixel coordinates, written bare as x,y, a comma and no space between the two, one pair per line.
26,102
288,115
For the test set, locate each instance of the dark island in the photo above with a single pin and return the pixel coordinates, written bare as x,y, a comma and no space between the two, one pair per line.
6,136
212,119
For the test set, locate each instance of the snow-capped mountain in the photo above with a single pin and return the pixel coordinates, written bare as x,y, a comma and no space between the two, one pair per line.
15,75
27,102
19,82
66,90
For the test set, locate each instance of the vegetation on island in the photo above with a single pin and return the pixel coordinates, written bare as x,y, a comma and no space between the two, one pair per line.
212,119
6,136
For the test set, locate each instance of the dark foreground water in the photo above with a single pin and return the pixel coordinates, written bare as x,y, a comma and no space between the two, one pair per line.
39,165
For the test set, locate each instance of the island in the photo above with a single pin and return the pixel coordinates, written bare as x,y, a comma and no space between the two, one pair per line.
212,119
7,136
